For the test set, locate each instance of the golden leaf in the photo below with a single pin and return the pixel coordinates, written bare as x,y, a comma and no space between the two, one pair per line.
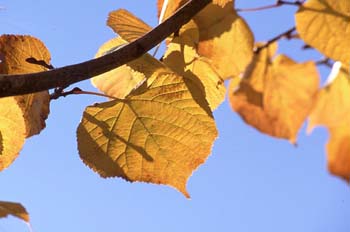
16,50
159,134
325,25
13,209
181,56
332,109
128,26
21,116
276,96
118,82
225,38
12,131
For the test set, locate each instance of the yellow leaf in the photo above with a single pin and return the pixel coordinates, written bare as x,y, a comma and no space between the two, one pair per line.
181,56
21,116
159,134
118,82
332,109
128,26
325,25
15,51
13,209
225,38
12,131
275,96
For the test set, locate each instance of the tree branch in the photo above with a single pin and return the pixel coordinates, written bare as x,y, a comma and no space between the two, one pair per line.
11,85
286,34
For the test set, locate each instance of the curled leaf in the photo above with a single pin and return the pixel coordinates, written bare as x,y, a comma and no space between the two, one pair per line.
13,209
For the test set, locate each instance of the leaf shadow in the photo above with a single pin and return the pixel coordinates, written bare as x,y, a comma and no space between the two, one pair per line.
111,135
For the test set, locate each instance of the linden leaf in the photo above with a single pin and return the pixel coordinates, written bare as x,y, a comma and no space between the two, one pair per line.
118,82
13,209
325,25
12,131
128,26
181,56
276,96
224,37
159,134
16,51
332,109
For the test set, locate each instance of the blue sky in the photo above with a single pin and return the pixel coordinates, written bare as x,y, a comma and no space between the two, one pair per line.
251,182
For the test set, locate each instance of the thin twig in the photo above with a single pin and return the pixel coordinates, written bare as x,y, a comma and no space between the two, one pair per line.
277,4
75,91
325,61
11,85
287,34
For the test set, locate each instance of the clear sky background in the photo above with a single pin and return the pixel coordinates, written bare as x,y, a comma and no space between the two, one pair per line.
251,182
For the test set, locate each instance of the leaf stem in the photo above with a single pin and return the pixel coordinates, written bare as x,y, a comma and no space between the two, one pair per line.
59,92
277,4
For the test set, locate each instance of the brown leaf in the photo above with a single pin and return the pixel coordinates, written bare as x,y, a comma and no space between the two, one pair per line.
332,110
275,96
13,209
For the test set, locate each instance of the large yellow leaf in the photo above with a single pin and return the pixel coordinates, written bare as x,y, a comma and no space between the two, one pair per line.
325,25
275,96
13,209
332,109
128,26
118,82
21,116
159,134
15,50
181,56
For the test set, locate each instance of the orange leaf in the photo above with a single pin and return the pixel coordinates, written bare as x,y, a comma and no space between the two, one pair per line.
332,109
275,96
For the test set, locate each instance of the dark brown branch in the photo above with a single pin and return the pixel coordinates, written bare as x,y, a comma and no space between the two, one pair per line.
325,61
287,34
11,85
277,4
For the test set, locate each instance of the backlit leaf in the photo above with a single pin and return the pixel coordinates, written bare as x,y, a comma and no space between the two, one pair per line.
118,82
224,37
325,25
128,26
21,116
15,51
181,56
332,110
13,209
12,131
275,96
159,134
